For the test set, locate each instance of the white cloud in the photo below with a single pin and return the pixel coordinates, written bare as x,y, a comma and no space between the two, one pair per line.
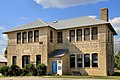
92,16
64,3
23,18
2,28
4,36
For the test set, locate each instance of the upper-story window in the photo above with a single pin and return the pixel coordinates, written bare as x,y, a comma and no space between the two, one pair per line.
30,36
72,35
87,34
94,33
79,34
36,36
94,60
24,37
86,60
59,37
51,36
18,38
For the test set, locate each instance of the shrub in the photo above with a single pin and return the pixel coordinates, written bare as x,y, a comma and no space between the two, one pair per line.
41,69
4,70
29,70
14,70
116,74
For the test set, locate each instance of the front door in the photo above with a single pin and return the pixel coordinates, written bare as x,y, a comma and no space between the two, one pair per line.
54,67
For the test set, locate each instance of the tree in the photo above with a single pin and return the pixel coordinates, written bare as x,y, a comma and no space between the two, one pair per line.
117,60
5,52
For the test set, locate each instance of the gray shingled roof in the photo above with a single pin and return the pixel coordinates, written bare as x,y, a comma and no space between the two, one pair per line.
58,53
64,24
2,58
76,22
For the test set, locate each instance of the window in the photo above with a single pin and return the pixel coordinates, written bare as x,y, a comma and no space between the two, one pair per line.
38,59
79,60
51,36
59,37
14,59
36,36
95,60
79,34
86,60
86,34
30,37
72,35
72,61
18,38
25,60
24,37
94,33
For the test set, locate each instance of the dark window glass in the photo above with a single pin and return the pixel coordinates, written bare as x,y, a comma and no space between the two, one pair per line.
86,60
72,35
38,59
79,34
25,60
95,60
94,33
14,59
36,36
59,37
51,36
79,60
86,34
24,37
30,36
18,38
72,60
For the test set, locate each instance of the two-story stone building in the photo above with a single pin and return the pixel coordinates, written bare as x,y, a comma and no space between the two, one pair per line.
82,44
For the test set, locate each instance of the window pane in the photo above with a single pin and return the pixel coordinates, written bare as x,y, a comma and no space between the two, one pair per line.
86,60
38,59
87,34
18,38
30,36
36,36
72,60
94,33
51,36
59,37
25,60
79,34
79,60
95,60
14,58
24,37
72,35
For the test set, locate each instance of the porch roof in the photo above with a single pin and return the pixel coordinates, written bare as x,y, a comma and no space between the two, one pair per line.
58,52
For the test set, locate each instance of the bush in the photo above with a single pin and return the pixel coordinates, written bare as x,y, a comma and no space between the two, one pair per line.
116,74
29,70
4,70
14,70
41,69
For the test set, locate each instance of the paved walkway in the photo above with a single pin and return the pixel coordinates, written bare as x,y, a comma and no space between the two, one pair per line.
39,78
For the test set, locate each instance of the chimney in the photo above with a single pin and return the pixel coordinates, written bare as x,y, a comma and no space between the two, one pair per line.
104,14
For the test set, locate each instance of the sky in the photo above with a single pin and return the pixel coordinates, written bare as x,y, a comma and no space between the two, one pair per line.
18,12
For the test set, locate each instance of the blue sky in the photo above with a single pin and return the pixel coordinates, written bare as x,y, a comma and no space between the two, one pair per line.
17,12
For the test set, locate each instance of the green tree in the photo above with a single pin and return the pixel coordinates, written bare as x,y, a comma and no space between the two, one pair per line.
117,60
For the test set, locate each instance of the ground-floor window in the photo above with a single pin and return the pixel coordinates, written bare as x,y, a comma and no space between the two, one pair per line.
79,60
14,59
94,60
72,61
25,60
38,59
86,60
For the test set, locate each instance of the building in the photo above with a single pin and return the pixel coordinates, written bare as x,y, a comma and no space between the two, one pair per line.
3,61
80,45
